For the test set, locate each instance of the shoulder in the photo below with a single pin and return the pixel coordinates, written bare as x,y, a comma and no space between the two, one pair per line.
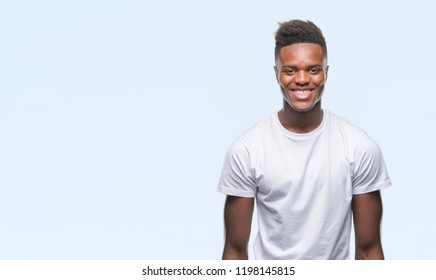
349,129
256,133
356,139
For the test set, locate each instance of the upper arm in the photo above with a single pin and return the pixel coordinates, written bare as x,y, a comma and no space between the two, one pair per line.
238,213
238,184
367,213
369,169
236,175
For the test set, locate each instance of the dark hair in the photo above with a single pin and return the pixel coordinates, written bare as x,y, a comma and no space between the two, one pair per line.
298,31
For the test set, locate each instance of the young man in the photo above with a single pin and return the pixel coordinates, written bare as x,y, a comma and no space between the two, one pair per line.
309,170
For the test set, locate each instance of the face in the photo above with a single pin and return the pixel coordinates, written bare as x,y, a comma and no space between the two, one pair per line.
301,71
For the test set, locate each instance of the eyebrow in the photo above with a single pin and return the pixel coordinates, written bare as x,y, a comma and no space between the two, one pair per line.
310,66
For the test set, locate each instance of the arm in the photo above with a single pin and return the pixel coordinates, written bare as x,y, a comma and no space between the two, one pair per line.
367,213
238,213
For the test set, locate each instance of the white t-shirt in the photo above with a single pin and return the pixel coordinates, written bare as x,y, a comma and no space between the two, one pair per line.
303,184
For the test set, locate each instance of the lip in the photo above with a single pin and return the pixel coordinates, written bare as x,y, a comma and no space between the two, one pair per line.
302,93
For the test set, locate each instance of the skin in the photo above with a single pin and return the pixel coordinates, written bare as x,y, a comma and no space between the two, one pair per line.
367,213
238,213
301,70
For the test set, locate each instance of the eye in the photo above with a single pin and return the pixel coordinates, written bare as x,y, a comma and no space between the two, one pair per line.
314,70
289,71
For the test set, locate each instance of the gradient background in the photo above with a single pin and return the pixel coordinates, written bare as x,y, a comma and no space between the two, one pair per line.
115,117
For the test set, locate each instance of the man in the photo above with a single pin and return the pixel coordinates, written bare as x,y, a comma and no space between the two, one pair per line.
309,170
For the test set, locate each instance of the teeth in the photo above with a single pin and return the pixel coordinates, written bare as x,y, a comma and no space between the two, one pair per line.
301,92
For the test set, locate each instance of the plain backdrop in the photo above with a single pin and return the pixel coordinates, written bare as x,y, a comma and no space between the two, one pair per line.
115,117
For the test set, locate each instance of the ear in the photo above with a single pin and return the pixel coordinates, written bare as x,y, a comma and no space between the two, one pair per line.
276,70
326,72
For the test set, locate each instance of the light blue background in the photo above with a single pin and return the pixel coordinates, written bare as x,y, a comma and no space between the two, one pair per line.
115,117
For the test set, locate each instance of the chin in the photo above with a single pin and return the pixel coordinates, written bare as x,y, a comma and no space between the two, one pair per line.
309,108
302,110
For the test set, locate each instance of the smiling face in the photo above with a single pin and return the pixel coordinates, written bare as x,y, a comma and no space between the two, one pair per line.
301,71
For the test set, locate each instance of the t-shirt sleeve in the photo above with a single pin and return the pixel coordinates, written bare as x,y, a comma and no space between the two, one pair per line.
236,176
369,170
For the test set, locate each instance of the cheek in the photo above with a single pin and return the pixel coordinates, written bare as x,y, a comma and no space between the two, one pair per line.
284,81
320,81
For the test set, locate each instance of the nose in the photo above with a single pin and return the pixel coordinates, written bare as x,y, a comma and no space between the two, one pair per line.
302,78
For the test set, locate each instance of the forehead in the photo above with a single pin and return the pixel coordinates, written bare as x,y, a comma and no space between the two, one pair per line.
301,53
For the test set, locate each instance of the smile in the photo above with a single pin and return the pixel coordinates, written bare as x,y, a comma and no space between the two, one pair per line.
302,92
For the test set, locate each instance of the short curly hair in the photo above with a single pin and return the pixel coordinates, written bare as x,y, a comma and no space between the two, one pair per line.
298,31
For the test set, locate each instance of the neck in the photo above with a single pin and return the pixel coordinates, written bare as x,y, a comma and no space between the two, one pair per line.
301,122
